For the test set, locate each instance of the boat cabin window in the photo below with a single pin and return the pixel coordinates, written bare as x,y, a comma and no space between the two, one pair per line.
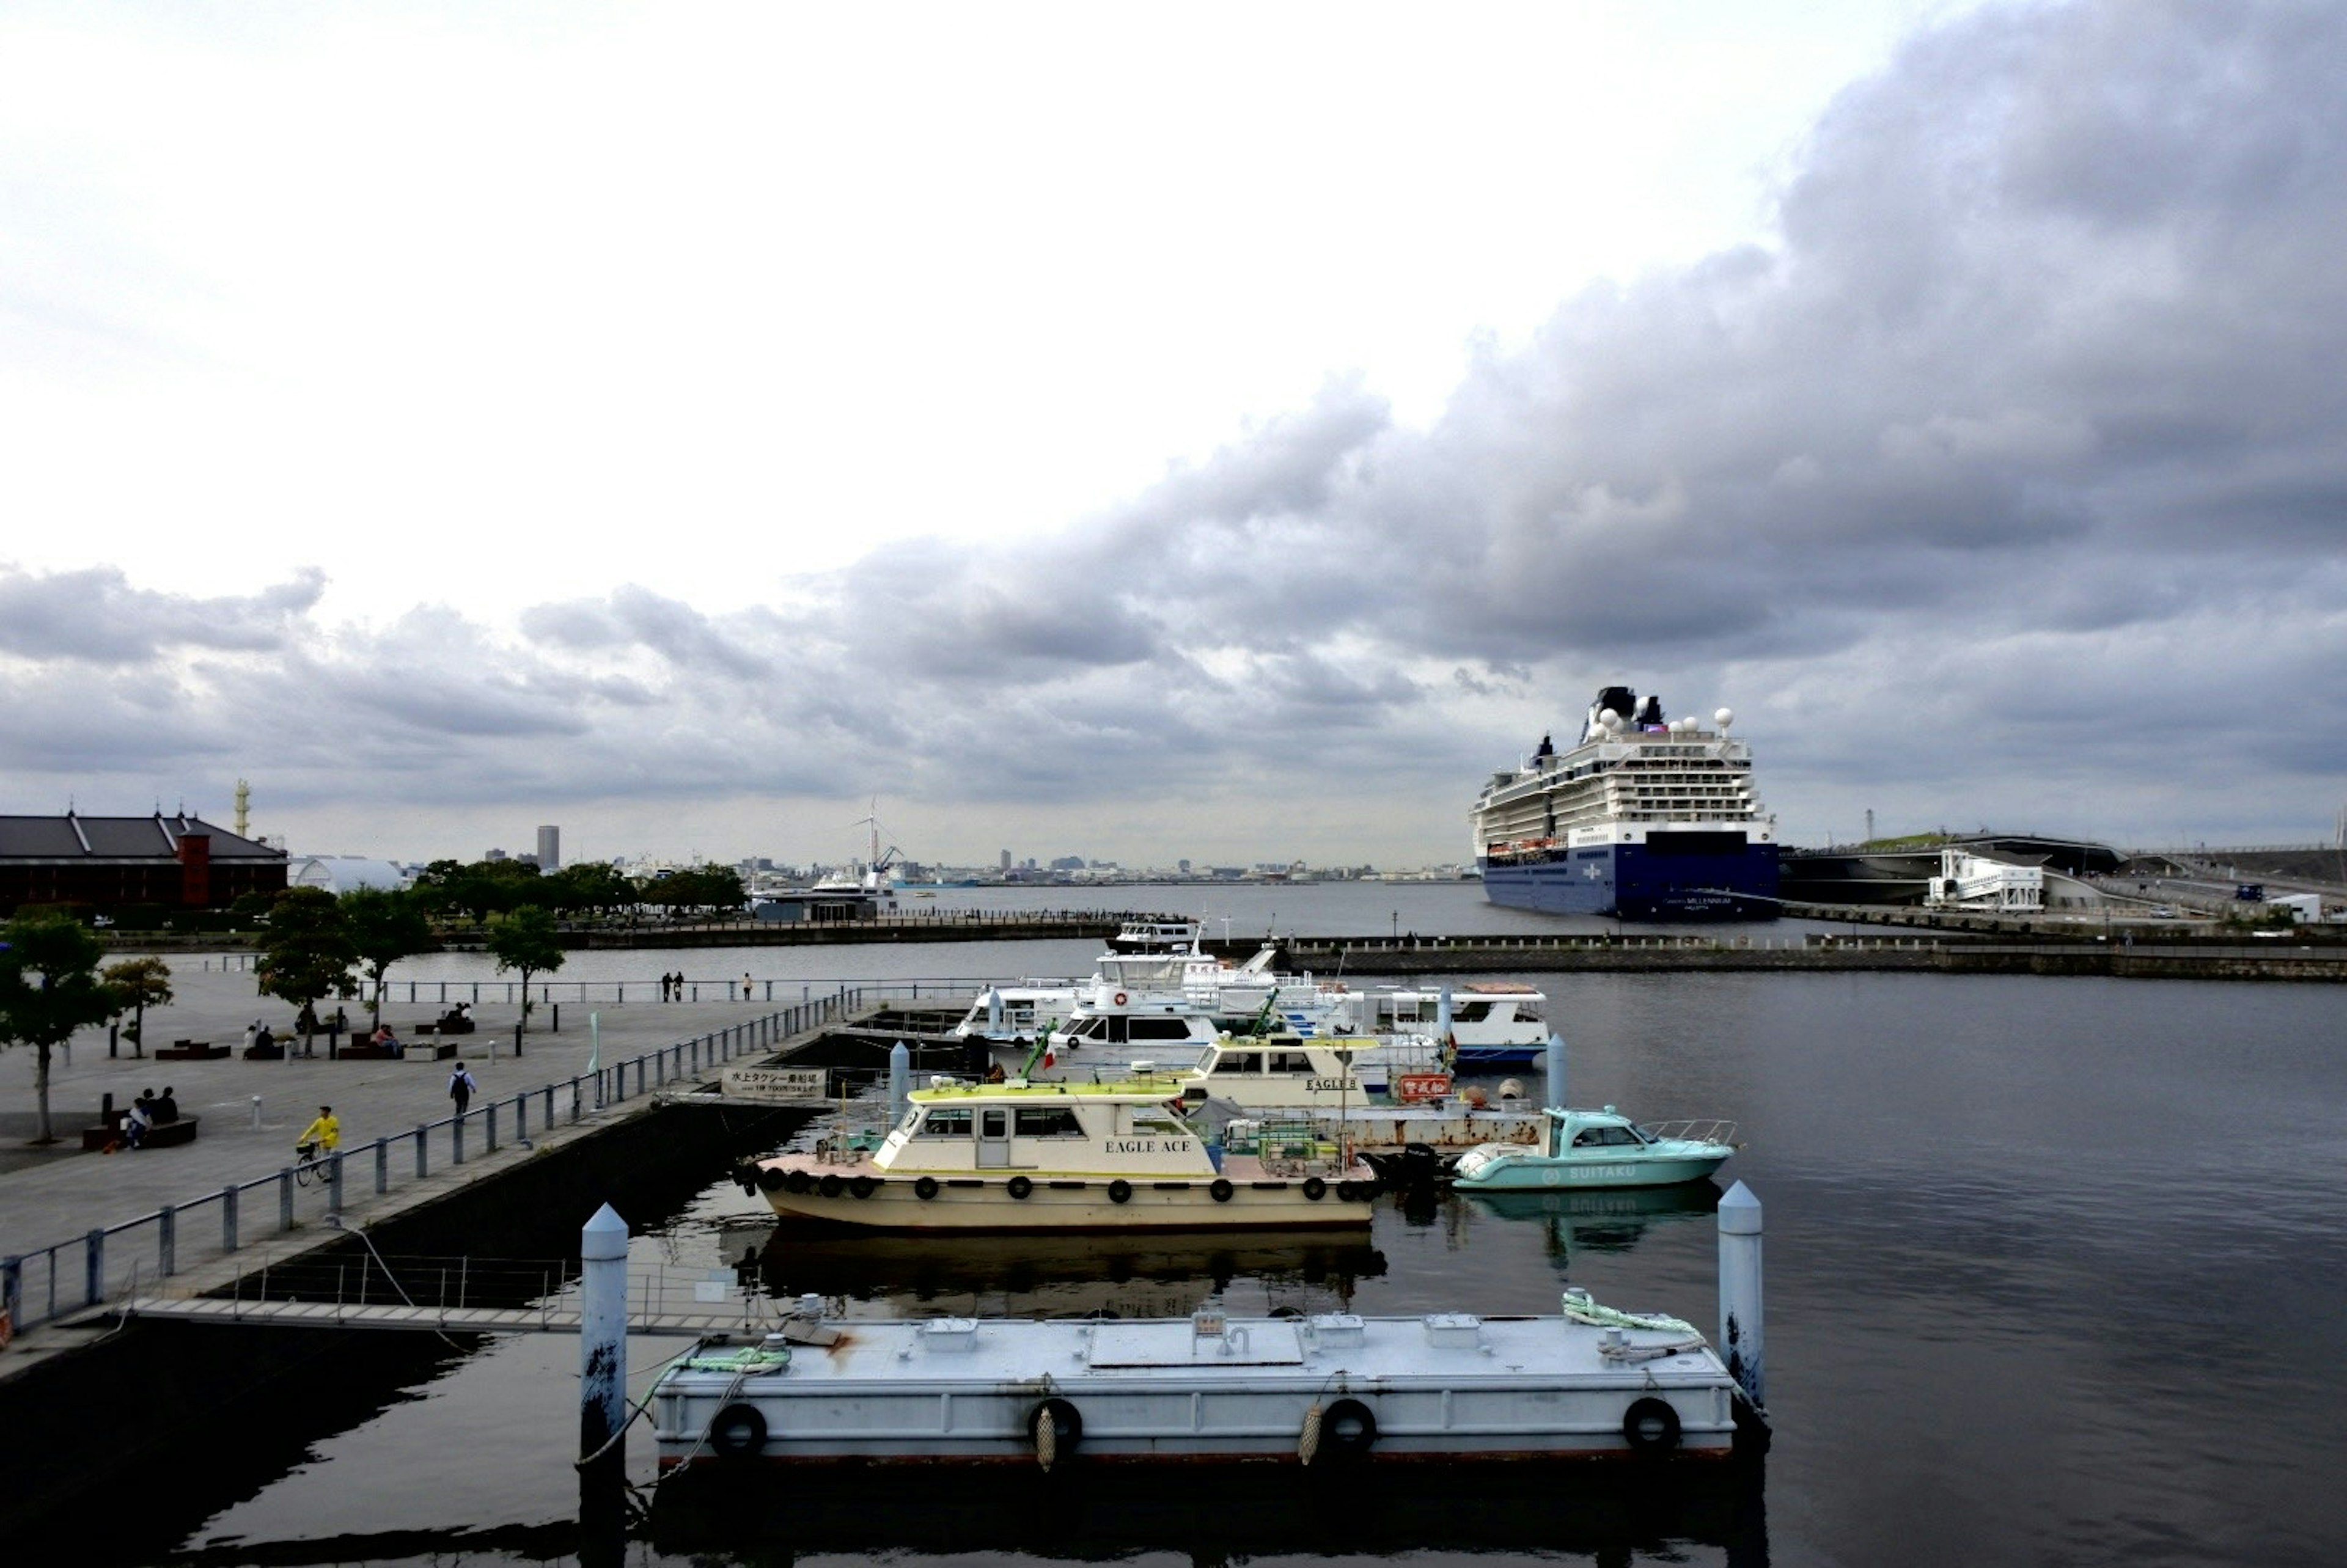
1157,1029
1158,1122
1237,1062
1290,1061
944,1123
1470,1012
1603,1137
1085,1029
1046,1121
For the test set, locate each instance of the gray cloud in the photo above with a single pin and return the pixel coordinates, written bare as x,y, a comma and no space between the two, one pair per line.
2006,482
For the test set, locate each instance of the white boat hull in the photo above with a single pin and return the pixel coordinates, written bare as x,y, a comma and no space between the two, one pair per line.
967,1202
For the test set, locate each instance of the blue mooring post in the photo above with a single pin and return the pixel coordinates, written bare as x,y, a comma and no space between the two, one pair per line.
1556,1072
1442,1016
1741,1342
602,1347
900,1081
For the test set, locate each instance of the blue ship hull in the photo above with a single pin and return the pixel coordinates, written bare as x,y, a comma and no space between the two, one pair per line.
1711,881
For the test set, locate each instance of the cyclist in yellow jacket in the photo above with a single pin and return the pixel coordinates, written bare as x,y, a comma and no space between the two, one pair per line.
323,1136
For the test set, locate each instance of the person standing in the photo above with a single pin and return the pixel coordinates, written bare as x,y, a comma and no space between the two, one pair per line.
461,1087
745,985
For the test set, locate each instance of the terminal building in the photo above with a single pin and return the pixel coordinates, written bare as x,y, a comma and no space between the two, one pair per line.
179,862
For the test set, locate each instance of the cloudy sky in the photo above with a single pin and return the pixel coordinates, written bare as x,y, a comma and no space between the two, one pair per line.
1220,431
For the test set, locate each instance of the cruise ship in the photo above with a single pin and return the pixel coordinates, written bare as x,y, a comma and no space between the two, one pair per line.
1645,817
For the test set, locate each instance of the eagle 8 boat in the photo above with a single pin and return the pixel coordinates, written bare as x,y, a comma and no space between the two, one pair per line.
1022,1155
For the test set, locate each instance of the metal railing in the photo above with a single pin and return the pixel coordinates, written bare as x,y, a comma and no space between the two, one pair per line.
103,1263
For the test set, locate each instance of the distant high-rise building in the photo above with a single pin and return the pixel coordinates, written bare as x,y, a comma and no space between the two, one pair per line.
550,849
1006,860
495,855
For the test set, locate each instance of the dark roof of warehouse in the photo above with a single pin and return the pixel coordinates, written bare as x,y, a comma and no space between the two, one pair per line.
76,837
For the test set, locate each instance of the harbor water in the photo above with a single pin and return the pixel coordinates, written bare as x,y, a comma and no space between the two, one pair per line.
2055,1273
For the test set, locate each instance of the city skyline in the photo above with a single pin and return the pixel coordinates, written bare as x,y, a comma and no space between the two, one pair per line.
692,444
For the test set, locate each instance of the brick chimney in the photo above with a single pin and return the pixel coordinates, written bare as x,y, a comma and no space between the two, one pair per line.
196,870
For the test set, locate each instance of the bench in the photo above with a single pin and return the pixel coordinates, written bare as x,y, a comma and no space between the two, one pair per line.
192,1051
162,1135
368,1050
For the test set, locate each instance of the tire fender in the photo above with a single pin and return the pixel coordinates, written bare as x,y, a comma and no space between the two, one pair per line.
1650,1426
737,1431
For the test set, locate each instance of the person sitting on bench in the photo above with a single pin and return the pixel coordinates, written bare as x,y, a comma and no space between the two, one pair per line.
389,1041
135,1122
166,1107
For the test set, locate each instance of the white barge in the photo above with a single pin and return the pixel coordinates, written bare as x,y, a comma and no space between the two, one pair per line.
1324,1390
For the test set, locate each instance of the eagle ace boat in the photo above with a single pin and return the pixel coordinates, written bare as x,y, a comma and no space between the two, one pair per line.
1021,1156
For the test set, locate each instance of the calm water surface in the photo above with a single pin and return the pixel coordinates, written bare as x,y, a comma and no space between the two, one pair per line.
2056,1274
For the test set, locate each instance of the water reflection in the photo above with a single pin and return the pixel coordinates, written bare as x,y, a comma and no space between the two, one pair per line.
1612,1221
1216,1514
1166,1274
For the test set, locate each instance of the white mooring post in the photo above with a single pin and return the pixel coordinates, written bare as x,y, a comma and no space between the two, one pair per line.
1556,1072
1442,1016
602,1332
994,1009
900,1081
1741,1342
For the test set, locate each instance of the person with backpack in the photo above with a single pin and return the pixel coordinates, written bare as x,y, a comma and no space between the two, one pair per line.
461,1087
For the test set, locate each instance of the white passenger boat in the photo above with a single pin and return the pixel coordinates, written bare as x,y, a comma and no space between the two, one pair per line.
1328,1390
1022,1155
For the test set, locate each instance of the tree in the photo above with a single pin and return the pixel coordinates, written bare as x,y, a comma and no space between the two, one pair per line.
526,941
48,989
308,954
386,926
138,984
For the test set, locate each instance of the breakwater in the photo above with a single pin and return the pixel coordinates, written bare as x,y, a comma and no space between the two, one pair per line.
2114,957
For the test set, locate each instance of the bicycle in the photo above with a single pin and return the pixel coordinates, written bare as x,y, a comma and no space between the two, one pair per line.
309,1166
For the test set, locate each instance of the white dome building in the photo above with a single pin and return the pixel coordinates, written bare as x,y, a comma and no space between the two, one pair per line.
340,873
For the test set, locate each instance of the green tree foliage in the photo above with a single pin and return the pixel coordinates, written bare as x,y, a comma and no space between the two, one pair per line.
483,888
526,941
386,926
48,989
308,953
717,889
137,984
587,887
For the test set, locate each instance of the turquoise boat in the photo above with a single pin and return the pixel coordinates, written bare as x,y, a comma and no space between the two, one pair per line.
1598,1149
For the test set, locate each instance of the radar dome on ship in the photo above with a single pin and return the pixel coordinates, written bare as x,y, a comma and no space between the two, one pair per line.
1725,717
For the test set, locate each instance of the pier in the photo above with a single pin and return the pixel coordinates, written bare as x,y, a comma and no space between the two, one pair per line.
2023,949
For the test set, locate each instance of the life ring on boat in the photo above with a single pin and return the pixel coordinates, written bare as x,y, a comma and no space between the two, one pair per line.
771,1179
1120,1191
1019,1187
799,1181
1650,1426
830,1186
1222,1190
862,1187
1120,999
1355,1192
1315,1189
926,1188
1066,1429
1347,1428
737,1431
